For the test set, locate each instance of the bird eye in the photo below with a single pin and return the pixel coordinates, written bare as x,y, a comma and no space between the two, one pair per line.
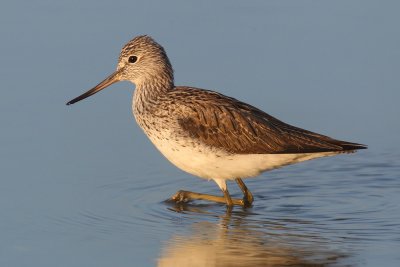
132,59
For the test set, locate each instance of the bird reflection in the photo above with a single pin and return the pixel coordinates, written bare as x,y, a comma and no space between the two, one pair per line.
236,241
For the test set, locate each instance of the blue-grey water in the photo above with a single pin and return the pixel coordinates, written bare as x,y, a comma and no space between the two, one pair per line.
82,185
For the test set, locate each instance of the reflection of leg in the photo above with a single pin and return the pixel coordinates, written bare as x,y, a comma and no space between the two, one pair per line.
248,197
185,196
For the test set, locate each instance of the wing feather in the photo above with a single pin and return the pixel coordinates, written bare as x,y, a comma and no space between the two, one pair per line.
236,127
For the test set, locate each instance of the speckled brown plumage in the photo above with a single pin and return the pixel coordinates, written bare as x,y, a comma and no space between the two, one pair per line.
237,127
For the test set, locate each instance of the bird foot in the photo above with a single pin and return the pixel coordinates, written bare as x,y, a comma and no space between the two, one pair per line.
181,196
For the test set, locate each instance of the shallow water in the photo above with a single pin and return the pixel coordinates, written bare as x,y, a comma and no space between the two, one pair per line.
341,211
82,186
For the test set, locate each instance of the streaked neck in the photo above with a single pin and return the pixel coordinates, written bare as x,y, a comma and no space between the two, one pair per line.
148,91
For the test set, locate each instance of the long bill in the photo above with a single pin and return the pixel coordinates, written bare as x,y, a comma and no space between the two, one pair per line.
113,78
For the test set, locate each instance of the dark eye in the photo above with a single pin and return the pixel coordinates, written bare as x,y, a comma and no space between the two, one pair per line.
132,59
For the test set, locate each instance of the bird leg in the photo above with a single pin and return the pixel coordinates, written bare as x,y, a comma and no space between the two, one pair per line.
248,196
185,196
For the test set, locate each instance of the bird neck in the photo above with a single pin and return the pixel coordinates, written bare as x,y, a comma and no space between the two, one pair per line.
148,91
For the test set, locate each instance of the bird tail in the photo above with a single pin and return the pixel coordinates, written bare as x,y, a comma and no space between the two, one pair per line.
348,146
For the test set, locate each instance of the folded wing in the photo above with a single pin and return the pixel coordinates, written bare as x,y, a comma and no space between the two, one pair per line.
236,127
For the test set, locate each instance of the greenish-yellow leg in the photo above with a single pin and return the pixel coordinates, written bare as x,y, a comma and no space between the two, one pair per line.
185,196
248,196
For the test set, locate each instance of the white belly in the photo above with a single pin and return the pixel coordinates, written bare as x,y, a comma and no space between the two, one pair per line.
211,164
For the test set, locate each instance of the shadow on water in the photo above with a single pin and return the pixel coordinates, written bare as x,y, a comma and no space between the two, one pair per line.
239,239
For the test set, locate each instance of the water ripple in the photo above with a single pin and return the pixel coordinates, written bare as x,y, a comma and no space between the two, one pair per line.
322,212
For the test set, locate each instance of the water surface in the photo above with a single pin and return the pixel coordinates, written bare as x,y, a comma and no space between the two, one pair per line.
82,186
339,211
